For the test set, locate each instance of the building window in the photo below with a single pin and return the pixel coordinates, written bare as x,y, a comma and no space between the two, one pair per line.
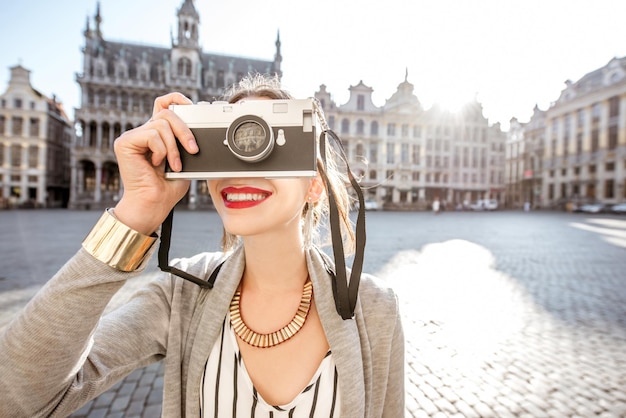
372,174
34,127
17,126
404,153
415,154
391,129
360,102
405,130
184,67
124,102
416,176
595,112
612,137
609,167
592,169
1,155
360,126
16,155
360,153
374,128
33,156
390,156
17,103
373,153
595,140
580,118
614,106
609,188
2,123
417,131
345,126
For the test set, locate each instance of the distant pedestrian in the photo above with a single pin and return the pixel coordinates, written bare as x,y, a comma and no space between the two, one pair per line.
436,206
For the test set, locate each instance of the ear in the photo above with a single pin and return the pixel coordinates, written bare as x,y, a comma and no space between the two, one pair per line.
316,190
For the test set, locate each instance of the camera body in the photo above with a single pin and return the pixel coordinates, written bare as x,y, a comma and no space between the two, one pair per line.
250,138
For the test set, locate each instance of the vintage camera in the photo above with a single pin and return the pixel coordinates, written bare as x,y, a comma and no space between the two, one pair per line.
250,138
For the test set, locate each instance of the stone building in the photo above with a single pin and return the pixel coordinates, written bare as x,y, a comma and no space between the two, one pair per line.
35,140
524,161
585,139
575,151
119,82
408,156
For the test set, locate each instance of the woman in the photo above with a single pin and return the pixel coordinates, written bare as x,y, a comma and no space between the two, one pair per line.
235,350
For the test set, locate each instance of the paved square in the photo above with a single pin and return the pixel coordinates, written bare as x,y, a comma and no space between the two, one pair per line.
506,314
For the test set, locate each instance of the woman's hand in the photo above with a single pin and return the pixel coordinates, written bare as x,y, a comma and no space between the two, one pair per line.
141,154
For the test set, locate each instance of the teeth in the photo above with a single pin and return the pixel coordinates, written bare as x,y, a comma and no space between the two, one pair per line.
241,197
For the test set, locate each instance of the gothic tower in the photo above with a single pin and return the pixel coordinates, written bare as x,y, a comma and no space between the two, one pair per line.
185,72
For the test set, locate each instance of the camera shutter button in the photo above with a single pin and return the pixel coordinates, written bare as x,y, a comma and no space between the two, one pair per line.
280,139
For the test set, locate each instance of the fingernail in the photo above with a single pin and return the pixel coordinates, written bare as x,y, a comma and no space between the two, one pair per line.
193,146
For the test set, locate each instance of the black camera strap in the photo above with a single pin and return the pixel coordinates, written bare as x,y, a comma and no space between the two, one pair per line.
164,251
344,292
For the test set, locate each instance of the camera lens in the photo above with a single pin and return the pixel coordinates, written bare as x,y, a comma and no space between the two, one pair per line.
250,138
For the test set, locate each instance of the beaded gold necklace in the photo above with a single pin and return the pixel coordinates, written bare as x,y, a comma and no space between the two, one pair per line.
274,338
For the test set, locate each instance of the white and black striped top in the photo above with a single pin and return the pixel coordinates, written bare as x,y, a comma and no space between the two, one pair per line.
228,390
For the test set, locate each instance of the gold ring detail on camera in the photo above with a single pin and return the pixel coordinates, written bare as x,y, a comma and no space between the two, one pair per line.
272,339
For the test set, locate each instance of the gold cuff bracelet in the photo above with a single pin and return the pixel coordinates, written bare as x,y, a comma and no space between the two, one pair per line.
117,245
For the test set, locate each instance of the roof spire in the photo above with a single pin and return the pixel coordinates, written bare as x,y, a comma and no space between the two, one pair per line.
278,58
98,19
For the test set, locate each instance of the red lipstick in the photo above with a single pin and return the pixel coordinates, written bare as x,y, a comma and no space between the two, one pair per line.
243,197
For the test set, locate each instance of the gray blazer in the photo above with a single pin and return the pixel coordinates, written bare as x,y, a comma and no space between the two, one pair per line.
60,352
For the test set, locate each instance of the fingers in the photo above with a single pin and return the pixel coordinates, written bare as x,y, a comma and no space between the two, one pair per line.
178,127
164,102
157,139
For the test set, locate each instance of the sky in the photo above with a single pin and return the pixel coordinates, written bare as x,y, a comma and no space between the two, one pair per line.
510,55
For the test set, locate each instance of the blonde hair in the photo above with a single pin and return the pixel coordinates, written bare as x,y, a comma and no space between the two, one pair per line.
259,85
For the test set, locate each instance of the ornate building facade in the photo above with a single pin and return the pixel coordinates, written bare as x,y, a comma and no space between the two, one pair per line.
575,151
35,140
119,83
408,156
585,139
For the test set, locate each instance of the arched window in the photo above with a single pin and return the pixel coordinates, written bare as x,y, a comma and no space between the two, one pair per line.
359,150
360,126
124,102
184,67
106,135
345,126
374,129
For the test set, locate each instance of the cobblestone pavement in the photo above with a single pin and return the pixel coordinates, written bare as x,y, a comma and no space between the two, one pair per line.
506,314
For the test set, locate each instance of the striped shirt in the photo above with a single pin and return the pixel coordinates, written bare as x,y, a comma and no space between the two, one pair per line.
228,390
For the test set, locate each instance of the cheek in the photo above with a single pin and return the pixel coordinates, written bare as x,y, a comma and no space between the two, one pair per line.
212,186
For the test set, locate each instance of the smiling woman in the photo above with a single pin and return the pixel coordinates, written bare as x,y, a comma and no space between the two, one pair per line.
261,330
